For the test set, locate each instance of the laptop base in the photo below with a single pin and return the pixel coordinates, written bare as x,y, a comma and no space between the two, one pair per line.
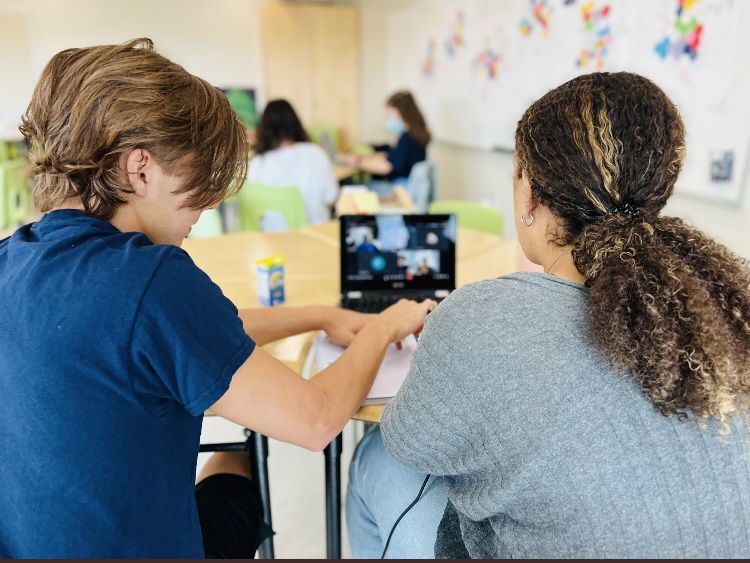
377,302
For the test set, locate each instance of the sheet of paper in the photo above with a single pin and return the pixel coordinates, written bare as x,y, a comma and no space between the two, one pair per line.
392,371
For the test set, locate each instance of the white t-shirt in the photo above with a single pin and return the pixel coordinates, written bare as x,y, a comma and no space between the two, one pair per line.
305,166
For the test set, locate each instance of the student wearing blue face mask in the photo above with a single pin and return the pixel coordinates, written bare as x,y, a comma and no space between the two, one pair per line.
394,163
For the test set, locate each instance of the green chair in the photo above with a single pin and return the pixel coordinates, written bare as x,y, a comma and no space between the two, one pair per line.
362,177
208,226
14,150
472,215
14,193
4,151
265,208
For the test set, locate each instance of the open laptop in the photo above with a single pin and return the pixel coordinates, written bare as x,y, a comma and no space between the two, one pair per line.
385,258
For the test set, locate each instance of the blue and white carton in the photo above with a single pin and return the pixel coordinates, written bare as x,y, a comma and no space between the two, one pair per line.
271,280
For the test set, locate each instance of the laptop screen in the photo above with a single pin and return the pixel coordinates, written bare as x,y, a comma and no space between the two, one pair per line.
409,252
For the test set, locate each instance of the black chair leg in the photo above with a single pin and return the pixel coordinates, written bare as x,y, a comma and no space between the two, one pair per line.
333,497
257,447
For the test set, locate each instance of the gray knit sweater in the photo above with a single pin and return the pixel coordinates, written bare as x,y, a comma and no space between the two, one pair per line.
546,450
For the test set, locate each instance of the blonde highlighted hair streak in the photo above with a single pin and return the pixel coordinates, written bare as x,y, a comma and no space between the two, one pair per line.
93,105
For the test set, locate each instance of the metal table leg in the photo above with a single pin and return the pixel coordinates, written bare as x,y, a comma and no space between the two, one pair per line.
258,450
333,497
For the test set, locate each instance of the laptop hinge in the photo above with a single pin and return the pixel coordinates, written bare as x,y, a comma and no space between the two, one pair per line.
354,295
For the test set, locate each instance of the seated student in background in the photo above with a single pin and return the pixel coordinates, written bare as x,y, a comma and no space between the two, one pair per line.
284,156
598,409
114,343
394,164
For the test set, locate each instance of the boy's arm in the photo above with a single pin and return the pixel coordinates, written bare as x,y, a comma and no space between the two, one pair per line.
268,397
269,324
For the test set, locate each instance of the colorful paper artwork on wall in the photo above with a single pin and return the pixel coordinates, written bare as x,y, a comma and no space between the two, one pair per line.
686,39
487,62
538,18
456,40
476,65
596,23
428,62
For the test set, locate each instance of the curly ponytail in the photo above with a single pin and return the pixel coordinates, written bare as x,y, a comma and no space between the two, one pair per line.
666,303
670,306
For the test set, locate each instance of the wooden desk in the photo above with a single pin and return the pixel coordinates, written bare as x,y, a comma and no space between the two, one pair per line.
312,278
343,172
312,273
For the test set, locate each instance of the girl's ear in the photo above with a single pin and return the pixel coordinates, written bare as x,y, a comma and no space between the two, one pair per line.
525,185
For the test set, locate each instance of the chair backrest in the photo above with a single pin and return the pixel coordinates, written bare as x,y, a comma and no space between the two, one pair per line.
4,151
422,185
14,192
362,177
267,208
208,226
472,215
327,137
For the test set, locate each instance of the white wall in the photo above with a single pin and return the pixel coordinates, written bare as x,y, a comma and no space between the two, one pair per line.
217,40
15,63
485,177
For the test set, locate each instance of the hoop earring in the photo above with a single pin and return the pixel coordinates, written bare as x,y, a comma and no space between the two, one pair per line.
531,220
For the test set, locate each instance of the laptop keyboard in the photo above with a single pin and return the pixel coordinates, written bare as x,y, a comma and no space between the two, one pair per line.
374,303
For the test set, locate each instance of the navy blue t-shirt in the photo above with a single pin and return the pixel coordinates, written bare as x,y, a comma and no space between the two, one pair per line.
111,349
404,156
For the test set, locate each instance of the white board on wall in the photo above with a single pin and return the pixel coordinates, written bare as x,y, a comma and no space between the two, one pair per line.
476,65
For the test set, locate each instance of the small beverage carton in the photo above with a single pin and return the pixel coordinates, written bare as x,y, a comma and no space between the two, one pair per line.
271,280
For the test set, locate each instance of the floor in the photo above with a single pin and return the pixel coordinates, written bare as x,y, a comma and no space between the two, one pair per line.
297,482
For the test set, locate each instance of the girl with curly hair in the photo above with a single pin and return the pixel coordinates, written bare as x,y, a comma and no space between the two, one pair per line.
597,409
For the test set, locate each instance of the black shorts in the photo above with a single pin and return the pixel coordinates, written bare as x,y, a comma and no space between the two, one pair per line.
231,517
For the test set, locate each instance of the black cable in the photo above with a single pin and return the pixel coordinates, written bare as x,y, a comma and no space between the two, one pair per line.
408,508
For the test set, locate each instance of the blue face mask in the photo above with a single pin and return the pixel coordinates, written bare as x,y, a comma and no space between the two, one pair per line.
394,125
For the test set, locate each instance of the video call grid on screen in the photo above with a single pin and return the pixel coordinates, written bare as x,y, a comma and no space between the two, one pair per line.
403,251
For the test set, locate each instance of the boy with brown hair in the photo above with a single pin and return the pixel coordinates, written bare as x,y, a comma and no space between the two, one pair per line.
115,343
